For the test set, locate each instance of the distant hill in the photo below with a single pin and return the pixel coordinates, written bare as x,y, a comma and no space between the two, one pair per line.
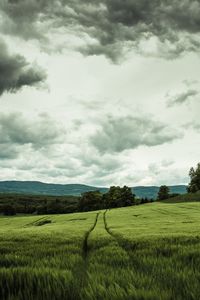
152,191
40,188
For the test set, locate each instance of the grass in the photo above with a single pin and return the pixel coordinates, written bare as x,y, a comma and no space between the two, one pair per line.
145,252
190,197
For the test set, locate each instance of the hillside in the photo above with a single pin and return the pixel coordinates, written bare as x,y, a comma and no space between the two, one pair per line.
147,252
152,191
192,197
40,188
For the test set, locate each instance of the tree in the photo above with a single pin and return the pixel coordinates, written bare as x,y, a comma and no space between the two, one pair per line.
119,197
54,207
127,196
194,184
9,210
173,195
144,200
163,192
91,201
113,197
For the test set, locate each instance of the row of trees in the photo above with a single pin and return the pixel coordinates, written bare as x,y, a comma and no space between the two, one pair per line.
119,197
12,204
94,200
52,207
115,197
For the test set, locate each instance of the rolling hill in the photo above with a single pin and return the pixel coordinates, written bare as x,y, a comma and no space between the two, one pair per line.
145,252
40,188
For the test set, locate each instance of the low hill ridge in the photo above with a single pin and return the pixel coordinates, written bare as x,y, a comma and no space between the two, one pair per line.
41,188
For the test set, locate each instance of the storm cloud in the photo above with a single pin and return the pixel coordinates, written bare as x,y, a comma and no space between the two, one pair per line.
114,26
16,72
124,133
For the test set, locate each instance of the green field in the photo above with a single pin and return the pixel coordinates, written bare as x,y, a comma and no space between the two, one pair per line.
146,252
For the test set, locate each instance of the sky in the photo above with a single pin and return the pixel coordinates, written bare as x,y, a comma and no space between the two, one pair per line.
101,92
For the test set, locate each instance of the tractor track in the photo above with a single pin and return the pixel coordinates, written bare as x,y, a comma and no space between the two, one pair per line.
108,230
83,270
35,222
122,243
85,248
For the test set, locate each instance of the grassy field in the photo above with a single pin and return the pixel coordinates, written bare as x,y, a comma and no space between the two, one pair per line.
145,252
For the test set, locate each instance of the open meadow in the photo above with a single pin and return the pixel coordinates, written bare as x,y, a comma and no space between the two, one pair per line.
148,252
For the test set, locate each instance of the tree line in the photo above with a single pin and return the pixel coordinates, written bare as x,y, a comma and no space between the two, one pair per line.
118,197
115,197
11,204
122,197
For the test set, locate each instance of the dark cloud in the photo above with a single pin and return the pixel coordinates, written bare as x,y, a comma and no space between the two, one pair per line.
183,97
16,132
22,17
16,72
123,133
113,24
8,151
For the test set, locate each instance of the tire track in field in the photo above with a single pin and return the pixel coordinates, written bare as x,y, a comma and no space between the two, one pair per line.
167,212
85,241
107,228
117,238
82,271
36,221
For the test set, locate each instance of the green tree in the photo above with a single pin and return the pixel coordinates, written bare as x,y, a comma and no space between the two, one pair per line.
113,197
194,184
91,201
9,210
119,197
163,192
128,198
54,207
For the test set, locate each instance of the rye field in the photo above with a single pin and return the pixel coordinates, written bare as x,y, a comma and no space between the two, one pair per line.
146,252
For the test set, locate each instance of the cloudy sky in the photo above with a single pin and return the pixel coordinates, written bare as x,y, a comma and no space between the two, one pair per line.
99,92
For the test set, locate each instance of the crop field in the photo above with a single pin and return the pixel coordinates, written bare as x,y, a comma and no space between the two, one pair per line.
145,252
